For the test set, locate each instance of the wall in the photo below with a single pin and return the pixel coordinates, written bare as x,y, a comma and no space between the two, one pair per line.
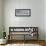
36,18
45,19
0,18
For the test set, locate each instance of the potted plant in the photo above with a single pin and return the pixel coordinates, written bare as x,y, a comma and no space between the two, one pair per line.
2,37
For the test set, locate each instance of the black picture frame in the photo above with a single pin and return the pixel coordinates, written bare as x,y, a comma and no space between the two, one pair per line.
22,12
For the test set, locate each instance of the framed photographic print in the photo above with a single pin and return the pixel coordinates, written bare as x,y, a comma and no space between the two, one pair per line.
22,12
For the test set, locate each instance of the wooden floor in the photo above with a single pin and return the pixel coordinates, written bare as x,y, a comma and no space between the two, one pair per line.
21,45
22,42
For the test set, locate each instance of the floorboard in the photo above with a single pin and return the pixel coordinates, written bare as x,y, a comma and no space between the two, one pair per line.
25,43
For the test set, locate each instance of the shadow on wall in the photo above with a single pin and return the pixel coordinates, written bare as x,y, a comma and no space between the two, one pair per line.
1,34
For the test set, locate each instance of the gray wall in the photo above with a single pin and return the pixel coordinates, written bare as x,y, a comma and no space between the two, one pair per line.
36,19
45,19
0,18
